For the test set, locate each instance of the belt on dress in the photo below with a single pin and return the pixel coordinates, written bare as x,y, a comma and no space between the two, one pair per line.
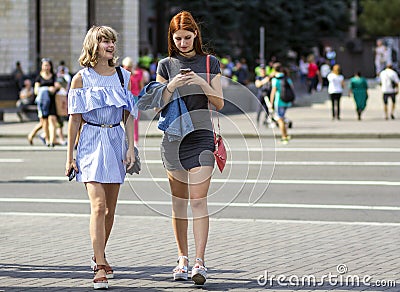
104,125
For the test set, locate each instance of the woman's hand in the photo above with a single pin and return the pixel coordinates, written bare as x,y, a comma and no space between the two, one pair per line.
180,80
52,89
69,165
193,79
130,158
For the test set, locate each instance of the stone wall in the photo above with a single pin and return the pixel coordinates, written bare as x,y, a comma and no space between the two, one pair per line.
14,35
63,25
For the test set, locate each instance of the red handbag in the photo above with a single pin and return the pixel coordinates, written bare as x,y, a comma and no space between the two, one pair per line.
220,153
220,150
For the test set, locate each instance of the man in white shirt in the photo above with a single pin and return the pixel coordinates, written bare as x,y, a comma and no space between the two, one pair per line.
389,85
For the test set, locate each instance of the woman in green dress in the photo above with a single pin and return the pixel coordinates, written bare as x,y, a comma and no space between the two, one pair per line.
359,87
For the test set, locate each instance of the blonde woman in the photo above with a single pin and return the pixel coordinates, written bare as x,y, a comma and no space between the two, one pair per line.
98,99
335,90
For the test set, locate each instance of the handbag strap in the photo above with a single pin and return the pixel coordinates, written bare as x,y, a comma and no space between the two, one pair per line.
209,103
121,78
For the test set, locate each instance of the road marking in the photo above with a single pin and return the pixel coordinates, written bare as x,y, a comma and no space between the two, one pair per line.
211,204
253,162
303,149
301,163
233,149
241,181
273,221
11,160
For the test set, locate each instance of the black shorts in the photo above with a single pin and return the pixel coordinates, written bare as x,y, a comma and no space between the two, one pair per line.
196,149
387,95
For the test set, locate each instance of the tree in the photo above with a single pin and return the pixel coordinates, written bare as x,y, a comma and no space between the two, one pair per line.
380,17
232,27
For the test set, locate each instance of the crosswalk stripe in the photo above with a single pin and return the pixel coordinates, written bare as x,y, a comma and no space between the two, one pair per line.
211,204
242,181
274,221
233,149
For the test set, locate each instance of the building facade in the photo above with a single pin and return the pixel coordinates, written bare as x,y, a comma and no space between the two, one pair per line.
34,29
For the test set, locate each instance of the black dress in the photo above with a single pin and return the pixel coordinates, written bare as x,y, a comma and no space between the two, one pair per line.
196,148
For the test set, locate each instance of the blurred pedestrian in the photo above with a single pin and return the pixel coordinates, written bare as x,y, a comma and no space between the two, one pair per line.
280,107
45,89
18,75
137,84
242,72
190,161
335,90
263,84
325,70
314,75
359,88
26,98
153,69
390,86
303,70
381,53
97,98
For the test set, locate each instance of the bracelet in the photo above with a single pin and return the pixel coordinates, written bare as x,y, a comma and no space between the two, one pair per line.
168,89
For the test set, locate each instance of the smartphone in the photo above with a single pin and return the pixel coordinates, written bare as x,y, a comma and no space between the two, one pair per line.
71,174
185,70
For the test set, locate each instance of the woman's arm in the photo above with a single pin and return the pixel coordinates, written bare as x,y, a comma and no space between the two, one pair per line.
259,83
167,93
36,88
73,129
129,130
272,97
214,91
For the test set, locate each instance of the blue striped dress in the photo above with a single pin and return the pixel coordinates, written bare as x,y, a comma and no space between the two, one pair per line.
101,100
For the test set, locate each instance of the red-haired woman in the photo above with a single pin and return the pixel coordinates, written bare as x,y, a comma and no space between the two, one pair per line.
189,161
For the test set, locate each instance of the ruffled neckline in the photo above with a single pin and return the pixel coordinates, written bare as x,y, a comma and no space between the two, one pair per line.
82,100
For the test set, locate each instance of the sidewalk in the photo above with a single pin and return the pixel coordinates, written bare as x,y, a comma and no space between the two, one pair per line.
51,252
142,251
311,119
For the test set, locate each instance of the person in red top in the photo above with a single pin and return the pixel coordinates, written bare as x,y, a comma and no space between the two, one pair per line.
137,83
313,76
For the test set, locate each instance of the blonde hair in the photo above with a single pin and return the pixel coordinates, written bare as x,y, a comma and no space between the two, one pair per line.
90,51
127,62
336,69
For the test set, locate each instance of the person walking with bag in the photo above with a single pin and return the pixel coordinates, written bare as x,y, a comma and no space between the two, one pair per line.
45,89
389,86
359,88
335,90
99,97
189,161
279,105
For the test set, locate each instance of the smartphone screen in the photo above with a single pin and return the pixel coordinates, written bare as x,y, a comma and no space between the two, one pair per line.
185,70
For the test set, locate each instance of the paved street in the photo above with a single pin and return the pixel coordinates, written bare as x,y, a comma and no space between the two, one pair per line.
320,212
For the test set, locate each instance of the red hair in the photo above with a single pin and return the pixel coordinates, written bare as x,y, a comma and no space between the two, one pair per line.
185,21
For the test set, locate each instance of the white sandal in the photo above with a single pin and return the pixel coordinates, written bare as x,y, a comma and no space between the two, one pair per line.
101,282
199,273
109,270
180,272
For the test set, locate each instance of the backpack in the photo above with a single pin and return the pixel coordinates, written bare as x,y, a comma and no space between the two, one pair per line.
286,94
